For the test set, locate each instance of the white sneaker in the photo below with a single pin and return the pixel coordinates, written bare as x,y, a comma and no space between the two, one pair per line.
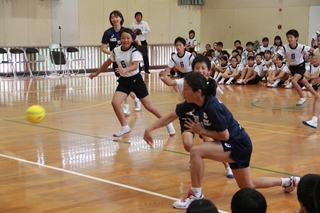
301,101
137,106
311,123
221,82
293,184
230,80
185,202
288,86
126,111
123,131
239,81
171,130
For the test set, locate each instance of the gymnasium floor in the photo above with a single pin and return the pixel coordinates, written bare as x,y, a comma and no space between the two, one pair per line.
71,163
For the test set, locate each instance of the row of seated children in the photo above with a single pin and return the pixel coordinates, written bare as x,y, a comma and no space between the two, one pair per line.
250,200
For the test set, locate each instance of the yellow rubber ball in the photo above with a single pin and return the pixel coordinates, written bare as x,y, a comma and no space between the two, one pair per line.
35,114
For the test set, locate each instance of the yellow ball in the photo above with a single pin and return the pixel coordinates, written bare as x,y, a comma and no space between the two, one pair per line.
35,114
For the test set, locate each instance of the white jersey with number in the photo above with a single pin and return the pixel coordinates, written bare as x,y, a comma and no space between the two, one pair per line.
124,58
183,63
312,69
295,55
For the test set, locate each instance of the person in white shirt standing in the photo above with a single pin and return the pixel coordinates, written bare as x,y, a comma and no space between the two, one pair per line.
294,53
142,29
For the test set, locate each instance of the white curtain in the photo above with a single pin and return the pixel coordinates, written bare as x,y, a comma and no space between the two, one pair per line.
191,2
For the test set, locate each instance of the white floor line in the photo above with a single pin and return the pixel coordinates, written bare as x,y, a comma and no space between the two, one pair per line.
94,178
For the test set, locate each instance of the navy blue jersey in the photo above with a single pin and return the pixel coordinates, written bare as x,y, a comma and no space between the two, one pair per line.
112,38
213,115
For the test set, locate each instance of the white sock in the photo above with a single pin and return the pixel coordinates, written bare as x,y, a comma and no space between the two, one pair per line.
230,79
126,127
276,82
126,106
229,171
197,191
215,75
136,99
222,80
285,181
315,119
219,75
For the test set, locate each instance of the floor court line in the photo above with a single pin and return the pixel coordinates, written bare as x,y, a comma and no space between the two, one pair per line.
125,142
94,178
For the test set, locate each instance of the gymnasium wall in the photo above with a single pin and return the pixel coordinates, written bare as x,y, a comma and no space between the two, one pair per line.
25,22
36,22
250,20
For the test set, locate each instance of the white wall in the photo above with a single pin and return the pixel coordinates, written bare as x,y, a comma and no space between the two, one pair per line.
65,13
314,21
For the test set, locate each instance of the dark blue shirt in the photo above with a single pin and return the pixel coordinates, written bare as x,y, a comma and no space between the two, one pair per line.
112,38
213,115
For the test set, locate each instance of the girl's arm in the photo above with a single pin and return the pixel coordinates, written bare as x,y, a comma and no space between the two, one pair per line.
163,121
166,80
105,48
103,67
197,128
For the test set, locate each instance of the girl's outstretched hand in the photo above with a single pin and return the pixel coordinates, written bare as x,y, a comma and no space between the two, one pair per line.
147,137
92,75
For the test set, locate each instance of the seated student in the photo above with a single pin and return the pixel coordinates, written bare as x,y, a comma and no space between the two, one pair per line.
237,43
278,73
276,45
208,47
224,53
182,60
248,200
240,63
249,47
213,64
251,74
231,72
233,53
220,68
265,45
245,60
312,71
263,69
306,193
202,206
218,50
191,42
267,58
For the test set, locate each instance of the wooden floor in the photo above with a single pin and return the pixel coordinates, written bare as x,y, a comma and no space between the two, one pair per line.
71,163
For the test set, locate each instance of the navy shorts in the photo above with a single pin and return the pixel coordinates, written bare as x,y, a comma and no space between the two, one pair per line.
133,84
241,150
298,69
256,80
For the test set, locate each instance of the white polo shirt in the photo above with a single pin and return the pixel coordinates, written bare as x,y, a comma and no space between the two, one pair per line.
144,27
